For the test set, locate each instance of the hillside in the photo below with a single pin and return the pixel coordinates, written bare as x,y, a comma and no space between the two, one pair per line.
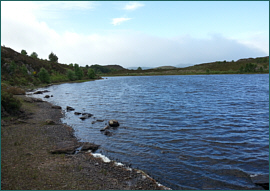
246,65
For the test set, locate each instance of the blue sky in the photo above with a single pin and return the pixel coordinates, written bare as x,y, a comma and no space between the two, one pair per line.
137,33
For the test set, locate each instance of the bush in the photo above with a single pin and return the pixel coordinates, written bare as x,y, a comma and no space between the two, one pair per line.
53,57
34,55
78,72
8,102
71,75
23,52
91,73
44,76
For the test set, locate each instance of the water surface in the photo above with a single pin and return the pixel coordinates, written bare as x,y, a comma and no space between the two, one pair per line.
188,132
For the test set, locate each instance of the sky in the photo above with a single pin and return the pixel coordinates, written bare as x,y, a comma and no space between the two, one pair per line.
137,33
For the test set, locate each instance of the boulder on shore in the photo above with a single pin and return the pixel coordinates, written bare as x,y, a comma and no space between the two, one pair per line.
56,107
89,146
65,147
113,123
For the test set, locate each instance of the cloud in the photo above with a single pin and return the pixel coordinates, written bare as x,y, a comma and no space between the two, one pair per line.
118,21
133,5
22,30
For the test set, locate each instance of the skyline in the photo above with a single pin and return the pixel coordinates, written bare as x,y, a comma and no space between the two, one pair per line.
132,34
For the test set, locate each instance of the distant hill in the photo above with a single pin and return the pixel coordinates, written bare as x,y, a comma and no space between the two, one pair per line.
165,67
115,67
135,68
245,65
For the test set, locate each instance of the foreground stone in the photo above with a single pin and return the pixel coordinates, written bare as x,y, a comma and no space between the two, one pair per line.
65,147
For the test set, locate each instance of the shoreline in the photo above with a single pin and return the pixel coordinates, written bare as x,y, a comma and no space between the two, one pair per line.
28,163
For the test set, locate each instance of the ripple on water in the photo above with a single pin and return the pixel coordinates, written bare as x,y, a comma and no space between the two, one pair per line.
188,132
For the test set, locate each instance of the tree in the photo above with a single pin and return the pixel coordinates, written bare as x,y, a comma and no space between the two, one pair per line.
91,73
34,55
44,76
23,52
139,68
53,57
78,72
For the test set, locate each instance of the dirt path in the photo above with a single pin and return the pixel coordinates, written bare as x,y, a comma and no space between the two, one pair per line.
27,162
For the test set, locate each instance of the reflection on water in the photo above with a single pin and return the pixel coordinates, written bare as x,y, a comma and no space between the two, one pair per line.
188,132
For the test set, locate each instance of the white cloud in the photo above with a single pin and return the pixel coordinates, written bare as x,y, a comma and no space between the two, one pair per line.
259,40
20,29
133,5
118,21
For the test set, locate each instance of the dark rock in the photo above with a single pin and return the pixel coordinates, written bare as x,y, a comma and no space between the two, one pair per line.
51,95
70,108
86,116
89,146
113,123
46,96
77,113
105,128
56,107
38,92
65,147
100,120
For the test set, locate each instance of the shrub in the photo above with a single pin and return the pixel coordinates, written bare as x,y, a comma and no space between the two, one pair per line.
91,73
71,75
23,52
34,55
78,72
44,76
53,57
8,102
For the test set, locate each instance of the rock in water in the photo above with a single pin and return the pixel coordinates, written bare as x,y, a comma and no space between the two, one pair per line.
261,180
70,108
105,128
46,96
113,123
86,116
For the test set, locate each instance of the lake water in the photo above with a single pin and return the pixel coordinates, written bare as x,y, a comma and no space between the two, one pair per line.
187,132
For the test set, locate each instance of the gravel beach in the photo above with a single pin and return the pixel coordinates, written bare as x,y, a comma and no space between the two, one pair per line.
28,162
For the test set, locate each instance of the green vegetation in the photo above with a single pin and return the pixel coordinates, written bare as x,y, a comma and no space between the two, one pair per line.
91,73
71,75
9,104
53,57
78,72
23,52
44,76
34,55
